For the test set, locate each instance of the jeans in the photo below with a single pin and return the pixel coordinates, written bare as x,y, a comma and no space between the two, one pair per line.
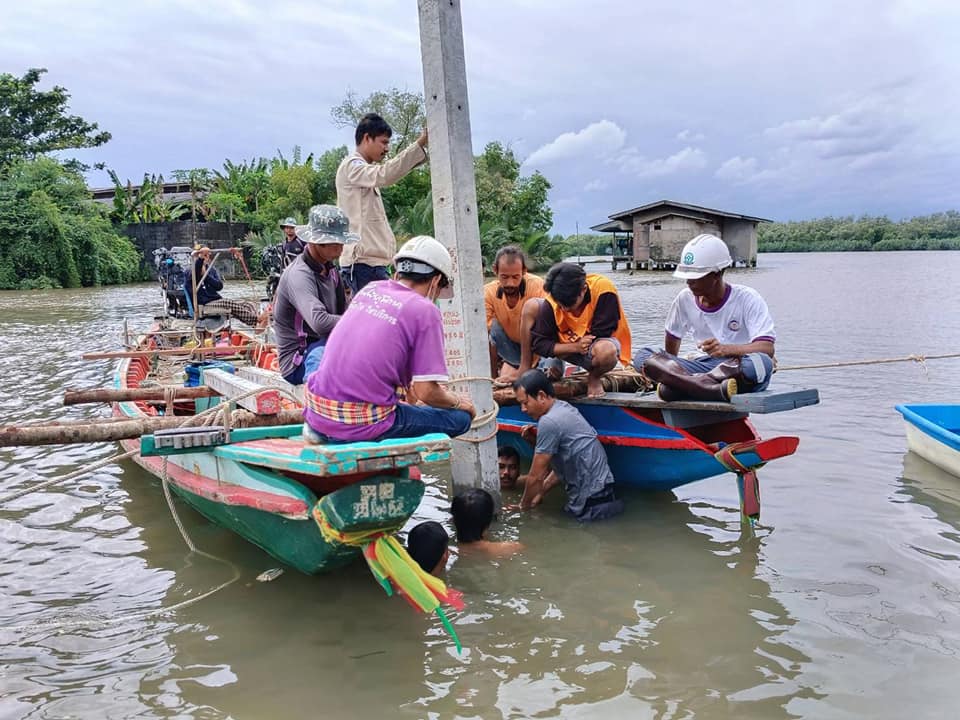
755,367
359,274
310,362
415,420
509,351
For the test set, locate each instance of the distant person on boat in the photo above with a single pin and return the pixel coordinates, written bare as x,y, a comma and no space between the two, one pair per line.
473,512
512,302
205,287
292,245
508,466
390,337
566,451
311,297
730,323
429,546
359,179
581,322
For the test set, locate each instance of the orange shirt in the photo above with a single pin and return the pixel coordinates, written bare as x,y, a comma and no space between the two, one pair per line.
509,317
571,328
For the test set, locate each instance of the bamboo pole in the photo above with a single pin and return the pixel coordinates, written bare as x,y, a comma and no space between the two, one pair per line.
214,350
93,395
114,429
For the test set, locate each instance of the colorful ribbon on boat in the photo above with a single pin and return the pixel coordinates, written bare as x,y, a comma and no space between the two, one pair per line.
393,568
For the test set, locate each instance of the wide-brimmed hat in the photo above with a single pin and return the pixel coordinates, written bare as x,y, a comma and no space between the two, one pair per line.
328,225
289,222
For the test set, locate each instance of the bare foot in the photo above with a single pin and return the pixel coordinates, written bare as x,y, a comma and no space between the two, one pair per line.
508,373
595,387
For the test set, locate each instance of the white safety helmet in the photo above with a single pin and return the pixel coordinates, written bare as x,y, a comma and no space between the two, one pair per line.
423,254
701,256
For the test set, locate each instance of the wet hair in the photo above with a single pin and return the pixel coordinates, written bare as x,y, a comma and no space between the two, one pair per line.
533,382
509,252
426,544
508,451
373,125
564,282
472,514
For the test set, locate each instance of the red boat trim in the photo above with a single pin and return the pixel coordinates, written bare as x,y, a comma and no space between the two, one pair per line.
213,490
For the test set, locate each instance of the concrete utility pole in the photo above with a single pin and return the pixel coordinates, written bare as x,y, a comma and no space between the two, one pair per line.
455,220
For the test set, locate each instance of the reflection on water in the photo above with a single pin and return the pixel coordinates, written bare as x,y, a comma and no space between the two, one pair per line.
846,602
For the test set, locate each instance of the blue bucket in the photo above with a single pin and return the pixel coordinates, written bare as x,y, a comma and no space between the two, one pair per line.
194,370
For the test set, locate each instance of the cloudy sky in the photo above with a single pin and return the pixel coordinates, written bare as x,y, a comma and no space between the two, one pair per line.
787,110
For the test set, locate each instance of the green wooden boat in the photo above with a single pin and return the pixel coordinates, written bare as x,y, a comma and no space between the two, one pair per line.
271,487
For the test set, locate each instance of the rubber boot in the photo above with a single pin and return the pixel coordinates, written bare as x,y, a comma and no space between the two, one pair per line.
676,383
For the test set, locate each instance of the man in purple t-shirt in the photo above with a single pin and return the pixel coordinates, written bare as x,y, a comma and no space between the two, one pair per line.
390,337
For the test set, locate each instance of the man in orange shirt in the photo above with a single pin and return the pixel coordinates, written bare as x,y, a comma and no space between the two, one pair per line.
582,322
511,302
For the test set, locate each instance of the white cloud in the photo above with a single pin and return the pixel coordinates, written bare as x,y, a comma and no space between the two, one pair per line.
689,136
687,160
597,139
865,127
737,169
595,185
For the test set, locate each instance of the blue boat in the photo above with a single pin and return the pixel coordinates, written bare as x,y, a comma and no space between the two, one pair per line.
657,445
933,433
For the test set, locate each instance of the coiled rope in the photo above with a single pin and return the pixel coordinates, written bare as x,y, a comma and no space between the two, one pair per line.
482,419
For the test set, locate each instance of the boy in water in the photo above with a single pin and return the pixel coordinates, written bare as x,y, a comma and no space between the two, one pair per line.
429,545
472,514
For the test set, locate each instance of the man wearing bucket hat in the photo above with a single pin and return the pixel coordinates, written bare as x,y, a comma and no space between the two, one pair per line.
310,297
390,337
730,323
292,245
360,177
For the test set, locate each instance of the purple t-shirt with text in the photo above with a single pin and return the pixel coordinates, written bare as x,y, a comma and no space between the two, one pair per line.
389,337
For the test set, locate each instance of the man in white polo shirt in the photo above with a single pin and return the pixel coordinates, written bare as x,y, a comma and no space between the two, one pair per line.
730,324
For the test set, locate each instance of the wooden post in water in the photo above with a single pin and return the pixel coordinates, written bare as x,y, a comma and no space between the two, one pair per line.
474,464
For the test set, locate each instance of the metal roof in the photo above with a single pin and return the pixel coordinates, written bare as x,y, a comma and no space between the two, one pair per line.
685,206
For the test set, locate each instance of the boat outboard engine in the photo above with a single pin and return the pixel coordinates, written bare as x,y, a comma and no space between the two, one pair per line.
271,262
173,271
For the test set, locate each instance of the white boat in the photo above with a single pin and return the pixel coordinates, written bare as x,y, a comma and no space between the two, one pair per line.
933,433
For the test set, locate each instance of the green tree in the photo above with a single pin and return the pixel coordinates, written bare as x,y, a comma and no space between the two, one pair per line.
199,181
35,122
53,235
327,164
404,112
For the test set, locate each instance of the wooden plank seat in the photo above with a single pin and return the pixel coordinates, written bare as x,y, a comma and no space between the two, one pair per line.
762,403
264,402
268,378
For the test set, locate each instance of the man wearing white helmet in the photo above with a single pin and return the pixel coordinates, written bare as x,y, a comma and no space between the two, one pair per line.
390,337
730,324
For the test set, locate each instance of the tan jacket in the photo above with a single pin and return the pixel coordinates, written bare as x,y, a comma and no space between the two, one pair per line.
358,195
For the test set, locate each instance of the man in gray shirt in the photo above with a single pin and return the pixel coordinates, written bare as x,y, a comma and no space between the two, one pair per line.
567,450
310,296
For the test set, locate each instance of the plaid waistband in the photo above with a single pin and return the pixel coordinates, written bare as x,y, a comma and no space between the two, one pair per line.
348,413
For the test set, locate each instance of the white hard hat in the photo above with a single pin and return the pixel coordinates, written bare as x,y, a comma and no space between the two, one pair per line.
423,254
701,256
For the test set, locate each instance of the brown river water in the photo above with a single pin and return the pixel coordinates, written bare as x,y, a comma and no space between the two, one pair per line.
845,603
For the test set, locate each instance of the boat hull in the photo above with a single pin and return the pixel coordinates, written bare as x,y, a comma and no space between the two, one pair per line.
274,512
645,452
933,433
